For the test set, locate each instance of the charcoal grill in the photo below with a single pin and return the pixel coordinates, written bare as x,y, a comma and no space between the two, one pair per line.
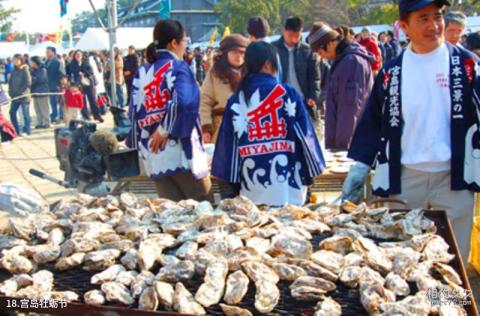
78,280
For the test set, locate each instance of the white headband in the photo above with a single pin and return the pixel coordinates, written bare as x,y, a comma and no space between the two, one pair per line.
322,31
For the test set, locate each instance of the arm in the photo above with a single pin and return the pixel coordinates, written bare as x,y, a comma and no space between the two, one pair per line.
207,102
27,80
182,110
313,77
225,162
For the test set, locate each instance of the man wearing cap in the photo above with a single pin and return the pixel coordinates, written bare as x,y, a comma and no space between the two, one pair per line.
420,128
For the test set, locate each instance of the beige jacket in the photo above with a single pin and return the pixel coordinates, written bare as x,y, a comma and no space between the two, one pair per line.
119,78
214,96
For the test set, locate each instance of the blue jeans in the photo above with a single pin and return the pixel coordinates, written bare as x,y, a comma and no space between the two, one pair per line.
54,106
120,96
26,116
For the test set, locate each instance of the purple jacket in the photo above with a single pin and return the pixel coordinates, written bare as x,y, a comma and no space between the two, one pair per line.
350,84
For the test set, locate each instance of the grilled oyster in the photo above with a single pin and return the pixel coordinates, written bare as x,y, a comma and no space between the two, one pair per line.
94,297
47,255
436,250
229,310
328,307
141,281
43,279
148,299
452,310
165,294
286,271
314,282
7,242
261,245
181,271
100,260
117,292
266,296
447,273
312,226
9,287
350,275
147,254
340,244
187,250
237,257
184,302
107,275
353,259
56,237
397,284
258,271
70,262
80,244
236,288
373,296
15,264
129,259
68,296
329,260
211,291
126,277
21,227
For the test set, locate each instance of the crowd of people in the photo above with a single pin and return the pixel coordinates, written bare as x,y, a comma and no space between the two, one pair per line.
409,110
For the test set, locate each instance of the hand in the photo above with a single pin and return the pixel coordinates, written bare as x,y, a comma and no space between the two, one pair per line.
354,183
207,137
311,102
127,73
18,200
157,141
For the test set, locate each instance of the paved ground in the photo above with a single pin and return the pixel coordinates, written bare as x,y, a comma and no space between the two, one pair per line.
38,151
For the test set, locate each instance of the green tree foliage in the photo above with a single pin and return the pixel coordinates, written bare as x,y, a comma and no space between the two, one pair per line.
6,18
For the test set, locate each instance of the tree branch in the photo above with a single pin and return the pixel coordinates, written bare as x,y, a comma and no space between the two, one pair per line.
133,7
97,15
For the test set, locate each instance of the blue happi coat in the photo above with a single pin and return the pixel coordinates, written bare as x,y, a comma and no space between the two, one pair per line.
377,139
166,96
267,144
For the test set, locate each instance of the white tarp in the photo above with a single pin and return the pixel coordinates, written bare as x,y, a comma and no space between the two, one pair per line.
41,49
97,38
8,49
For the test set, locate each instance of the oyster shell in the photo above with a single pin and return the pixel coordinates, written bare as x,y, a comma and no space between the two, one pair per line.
141,281
117,292
56,237
229,310
165,294
70,262
397,284
181,271
47,255
211,291
107,275
126,277
94,297
448,273
261,245
350,276
314,282
267,295
187,250
9,287
329,259
436,250
15,264
340,244
21,227
129,259
148,299
236,287
68,296
328,307
184,302
100,260
258,271
288,272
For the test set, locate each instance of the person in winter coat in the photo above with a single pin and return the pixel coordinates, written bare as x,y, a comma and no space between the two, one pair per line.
80,72
40,85
130,67
370,44
55,69
350,82
165,117
74,103
267,144
19,90
220,83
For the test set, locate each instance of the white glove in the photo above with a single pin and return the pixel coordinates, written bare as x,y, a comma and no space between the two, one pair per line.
354,183
18,200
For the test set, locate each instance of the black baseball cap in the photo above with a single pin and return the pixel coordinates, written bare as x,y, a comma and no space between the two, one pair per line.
406,6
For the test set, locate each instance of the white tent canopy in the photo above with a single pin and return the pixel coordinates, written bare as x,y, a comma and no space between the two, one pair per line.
8,49
41,49
97,39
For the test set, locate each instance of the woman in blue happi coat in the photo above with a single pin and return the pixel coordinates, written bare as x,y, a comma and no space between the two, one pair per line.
165,112
266,144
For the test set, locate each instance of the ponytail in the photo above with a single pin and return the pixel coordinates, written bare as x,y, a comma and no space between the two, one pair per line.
151,53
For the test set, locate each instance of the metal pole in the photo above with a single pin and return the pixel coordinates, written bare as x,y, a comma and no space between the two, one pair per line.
112,29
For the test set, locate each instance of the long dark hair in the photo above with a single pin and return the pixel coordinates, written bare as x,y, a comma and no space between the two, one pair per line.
223,70
257,54
164,32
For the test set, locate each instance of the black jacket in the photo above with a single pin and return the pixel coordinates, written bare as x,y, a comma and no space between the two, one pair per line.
74,70
55,68
306,68
130,63
39,80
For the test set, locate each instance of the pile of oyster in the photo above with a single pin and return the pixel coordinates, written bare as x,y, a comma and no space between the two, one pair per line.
143,252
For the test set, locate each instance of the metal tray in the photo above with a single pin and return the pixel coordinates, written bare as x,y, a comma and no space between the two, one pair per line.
78,280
